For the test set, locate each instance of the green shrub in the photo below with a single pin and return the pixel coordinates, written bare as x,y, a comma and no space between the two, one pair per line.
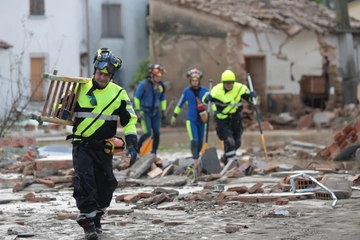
142,70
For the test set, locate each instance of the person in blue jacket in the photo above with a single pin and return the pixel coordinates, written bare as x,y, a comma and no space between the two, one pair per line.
150,105
195,124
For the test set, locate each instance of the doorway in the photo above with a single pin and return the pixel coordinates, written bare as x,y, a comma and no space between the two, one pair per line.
256,67
37,86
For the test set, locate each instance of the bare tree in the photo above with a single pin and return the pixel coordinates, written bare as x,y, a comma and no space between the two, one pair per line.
16,97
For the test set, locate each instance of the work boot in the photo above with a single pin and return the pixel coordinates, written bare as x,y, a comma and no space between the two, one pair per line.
223,160
98,225
90,231
97,220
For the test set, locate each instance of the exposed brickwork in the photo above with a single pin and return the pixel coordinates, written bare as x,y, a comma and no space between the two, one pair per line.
346,137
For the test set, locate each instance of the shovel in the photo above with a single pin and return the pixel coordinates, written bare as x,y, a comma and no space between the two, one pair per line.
146,147
206,144
258,118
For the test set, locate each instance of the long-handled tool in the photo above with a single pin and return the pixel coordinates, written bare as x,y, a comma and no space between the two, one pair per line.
258,118
170,105
146,147
206,144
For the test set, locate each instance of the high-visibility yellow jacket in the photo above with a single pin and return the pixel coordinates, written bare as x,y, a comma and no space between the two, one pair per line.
226,102
99,121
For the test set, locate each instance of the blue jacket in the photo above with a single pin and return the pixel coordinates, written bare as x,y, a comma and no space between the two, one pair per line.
189,96
148,100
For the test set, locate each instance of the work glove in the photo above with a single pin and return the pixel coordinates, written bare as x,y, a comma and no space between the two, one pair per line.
173,121
138,115
163,117
65,115
133,153
253,94
208,99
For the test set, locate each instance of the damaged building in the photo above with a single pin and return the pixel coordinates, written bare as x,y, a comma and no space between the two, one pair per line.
290,48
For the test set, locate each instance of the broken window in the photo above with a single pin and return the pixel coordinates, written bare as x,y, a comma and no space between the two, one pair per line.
111,20
37,7
314,91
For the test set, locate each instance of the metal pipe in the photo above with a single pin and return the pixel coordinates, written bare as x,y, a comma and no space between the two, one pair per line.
293,187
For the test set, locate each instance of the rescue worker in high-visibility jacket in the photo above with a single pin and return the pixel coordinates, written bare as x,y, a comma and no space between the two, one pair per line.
195,124
100,104
227,105
150,105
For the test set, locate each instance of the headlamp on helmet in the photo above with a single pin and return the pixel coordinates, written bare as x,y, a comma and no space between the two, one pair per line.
157,70
106,62
194,74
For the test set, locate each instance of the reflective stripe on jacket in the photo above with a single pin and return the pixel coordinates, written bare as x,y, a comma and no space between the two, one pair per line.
228,102
100,121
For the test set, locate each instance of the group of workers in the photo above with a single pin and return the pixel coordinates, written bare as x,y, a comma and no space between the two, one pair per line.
99,105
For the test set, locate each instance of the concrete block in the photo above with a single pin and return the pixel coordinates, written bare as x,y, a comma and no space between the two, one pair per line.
211,162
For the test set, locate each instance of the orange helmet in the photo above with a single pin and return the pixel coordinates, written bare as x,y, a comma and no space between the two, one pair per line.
157,70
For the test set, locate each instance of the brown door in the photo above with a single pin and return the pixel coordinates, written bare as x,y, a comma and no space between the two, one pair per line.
37,86
255,65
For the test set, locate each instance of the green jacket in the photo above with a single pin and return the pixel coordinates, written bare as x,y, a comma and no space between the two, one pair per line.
225,102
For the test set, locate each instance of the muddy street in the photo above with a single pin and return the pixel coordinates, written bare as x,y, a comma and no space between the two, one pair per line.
305,219
181,218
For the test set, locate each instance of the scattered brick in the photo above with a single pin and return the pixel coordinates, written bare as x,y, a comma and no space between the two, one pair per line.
124,223
155,172
224,194
255,187
119,211
46,182
71,216
272,168
146,195
239,189
282,201
160,198
131,198
263,199
157,221
192,198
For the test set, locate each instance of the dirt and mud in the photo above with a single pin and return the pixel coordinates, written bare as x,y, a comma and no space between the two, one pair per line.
304,219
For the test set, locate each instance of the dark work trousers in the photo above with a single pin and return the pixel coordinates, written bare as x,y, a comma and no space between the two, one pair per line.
94,181
150,122
230,131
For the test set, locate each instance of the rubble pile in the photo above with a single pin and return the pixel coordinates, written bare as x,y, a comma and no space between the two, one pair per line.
310,118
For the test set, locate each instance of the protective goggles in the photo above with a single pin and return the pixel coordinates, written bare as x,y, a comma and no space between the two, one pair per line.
194,76
109,67
228,82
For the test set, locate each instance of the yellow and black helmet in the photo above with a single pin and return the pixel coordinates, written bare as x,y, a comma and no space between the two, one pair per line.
106,62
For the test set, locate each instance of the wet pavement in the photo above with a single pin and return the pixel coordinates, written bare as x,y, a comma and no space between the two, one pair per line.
305,219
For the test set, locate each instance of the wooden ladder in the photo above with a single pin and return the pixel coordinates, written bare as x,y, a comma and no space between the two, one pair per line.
61,87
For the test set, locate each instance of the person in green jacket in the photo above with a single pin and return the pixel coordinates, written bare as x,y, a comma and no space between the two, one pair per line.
227,104
100,104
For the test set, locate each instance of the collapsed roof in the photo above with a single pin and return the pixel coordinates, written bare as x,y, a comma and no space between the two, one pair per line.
290,16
